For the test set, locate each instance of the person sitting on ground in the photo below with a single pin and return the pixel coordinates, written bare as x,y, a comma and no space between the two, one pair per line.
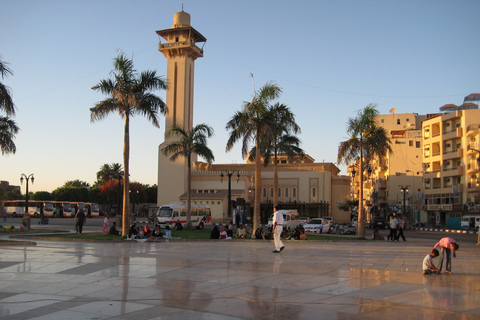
113,229
147,233
428,266
178,225
241,232
224,234
157,232
168,233
376,234
215,234
303,236
259,234
133,232
230,230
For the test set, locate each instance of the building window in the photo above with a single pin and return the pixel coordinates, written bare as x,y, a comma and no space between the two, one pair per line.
314,192
286,192
398,121
417,144
294,192
382,120
410,143
279,192
271,192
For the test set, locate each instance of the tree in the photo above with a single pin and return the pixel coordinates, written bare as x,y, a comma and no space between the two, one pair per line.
130,94
279,140
251,124
41,195
6,101
191,142
109,172
76,184
8,130
366,141
8,127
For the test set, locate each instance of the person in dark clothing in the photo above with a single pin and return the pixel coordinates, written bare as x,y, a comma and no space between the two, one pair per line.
113,229
215,234
133,232
80,217
178,225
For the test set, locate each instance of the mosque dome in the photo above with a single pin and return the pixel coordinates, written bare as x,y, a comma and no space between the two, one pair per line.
181,19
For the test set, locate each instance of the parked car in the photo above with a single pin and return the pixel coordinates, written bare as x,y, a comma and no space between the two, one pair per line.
330,220
304,220
313,226
377,222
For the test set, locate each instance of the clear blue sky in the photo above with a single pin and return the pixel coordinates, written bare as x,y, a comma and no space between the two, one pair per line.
331,58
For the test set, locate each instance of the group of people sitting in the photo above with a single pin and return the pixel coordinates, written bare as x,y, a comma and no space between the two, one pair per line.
146,233
227,232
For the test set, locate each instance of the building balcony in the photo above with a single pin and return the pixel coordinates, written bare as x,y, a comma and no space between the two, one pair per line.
452,171
473,129
453,134
472,168
452,115
431,174
473,187
382,184
453,154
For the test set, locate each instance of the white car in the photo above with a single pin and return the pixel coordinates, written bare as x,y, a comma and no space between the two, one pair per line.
316,225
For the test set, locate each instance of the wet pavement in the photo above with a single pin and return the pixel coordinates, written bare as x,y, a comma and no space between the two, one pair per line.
239,279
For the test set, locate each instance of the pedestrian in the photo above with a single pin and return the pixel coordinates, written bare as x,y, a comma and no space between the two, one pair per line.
428,266
393,228
80,218
113,230
400,227
277,230
105,228
448,247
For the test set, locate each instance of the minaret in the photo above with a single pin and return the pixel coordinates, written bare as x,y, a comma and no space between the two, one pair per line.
181,52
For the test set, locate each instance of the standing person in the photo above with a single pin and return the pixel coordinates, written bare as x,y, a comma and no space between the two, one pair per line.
277,230
105,227
393,228
80,217
448,246
400,227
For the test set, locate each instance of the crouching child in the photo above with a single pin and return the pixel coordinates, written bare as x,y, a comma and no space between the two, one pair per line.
428,266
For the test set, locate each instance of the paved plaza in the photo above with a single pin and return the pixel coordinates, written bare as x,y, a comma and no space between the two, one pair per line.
239,279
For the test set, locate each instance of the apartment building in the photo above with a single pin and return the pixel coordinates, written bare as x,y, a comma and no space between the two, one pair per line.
451,171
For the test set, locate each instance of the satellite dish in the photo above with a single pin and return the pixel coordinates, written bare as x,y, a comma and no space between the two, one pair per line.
393,110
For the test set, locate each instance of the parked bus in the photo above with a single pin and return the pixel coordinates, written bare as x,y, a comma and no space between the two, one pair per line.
171,213
16,208
92,210
77,206
63,209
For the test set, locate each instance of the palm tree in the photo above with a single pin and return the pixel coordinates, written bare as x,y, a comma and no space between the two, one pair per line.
130,95
110,172
279,140
366,141
6,101
8,130
251,124
190,143
8,127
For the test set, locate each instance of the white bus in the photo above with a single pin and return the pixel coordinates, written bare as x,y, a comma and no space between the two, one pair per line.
470,222
63,209
16,208
170,214
93,210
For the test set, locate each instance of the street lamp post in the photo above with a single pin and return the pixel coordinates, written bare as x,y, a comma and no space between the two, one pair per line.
29,177
404,190
229,174
414,203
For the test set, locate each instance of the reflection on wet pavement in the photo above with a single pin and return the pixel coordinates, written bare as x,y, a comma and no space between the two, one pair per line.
235,280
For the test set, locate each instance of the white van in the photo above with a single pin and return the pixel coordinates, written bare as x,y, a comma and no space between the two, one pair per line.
291,219
170,214
470,222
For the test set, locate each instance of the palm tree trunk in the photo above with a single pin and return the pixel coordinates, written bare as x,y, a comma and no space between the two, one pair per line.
189,196
361,217
258,185
126,179
275,181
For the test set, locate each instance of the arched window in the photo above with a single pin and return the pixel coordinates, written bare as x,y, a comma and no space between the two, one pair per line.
286,192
